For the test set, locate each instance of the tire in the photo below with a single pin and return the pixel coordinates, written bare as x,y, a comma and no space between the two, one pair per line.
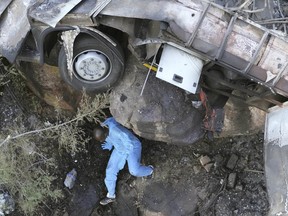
97,65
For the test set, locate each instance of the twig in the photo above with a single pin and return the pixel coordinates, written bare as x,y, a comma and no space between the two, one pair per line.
45,129
255,171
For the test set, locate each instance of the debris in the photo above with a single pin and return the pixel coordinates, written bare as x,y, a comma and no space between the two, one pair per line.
70,179
232,162
204,160
255,171
197,104
239,187
231,180
208,167
7,204
218,159
196,169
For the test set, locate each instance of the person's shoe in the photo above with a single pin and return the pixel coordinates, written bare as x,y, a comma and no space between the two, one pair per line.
107,200
151,175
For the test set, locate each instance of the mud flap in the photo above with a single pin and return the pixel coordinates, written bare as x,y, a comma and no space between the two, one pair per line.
276,159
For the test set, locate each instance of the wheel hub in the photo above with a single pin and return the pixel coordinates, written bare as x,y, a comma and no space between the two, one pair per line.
91,66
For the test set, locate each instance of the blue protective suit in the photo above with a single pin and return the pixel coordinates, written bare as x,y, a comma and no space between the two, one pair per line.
127,147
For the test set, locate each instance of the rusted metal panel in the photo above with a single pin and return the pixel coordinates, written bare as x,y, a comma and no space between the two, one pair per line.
14,27
4,4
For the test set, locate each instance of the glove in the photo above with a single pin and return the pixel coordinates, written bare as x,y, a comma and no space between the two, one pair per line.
106,146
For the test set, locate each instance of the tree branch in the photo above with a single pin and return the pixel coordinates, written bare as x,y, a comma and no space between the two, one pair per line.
9,137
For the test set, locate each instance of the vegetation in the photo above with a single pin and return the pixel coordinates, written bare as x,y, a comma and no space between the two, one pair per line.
24,170
3,76
70,133
26,165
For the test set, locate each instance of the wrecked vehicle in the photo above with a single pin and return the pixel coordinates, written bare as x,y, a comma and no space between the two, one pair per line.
87,40
214,45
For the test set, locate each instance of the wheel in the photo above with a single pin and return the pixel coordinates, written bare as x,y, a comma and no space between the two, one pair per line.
97,65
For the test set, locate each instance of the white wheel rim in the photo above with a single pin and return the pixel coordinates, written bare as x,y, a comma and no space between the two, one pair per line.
91,66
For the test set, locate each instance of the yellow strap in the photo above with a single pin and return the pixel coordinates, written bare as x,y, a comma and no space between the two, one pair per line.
152,68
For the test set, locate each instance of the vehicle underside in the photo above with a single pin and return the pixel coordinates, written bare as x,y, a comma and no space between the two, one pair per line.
227,49
236,53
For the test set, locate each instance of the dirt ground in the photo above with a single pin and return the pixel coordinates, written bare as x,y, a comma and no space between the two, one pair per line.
220,177
181,185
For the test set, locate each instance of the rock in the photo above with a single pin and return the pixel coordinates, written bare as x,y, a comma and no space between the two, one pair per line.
239,187
83,201
168,199
232,162
218,160
240,119
46,83
208,167
196,169
162,113
204,160
231,180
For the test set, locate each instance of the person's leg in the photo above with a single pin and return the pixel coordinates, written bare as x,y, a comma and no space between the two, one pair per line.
111,176
135,168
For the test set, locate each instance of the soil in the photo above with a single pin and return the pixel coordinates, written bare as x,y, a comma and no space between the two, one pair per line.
231,180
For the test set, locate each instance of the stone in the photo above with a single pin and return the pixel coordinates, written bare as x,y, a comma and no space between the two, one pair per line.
204,160
196,169
161,113
45,81
241,119
239,187
208,167
231,180
232,162
83,201
218,160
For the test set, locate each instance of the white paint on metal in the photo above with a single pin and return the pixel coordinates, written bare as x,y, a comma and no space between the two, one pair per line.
4,4
68,38
91,65
14,26
270,76
276,126
51,12
100,4
179,68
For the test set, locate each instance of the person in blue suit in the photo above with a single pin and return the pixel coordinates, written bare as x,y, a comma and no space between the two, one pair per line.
127,147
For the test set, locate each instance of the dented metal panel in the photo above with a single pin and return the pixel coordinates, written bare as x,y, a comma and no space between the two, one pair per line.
81,14
51,12
99,7
234,42
4,4
14,27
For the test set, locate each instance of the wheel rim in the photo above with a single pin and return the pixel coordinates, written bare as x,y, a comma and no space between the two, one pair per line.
91,66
